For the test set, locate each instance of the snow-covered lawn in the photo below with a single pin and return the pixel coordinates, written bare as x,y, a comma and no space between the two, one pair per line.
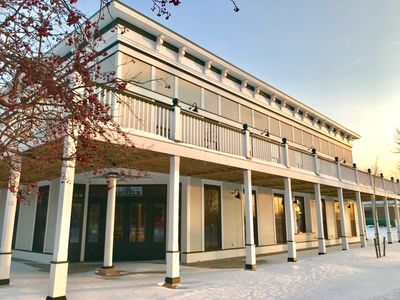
353,274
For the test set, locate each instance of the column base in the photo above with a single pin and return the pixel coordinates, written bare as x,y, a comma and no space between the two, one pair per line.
175,280
56,298
321,253
250,267
107,271
292,259
4,282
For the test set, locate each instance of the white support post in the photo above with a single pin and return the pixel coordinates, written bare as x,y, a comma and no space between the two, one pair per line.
289,217
176,121
108,268
320,223
59,264
172,277
246,142
364,222
361,225
8,222
338,171
250,246
345,244
396,214
387,219
285,153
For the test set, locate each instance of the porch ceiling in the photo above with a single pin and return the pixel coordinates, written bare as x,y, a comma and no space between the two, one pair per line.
41,168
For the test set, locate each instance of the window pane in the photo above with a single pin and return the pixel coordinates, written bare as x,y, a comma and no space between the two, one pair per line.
137,225
40,220
210,101
93,223
212,217
300,214
136,71
159,222
260,121
286,131
274,126
245,114
229,109
280,225
165,83
297,135
188,92
307,139
119,222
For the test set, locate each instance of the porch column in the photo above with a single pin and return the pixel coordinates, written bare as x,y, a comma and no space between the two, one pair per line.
59,264
291,243
396,214
387,218
361,225
375,216
250,247
8,223
172,225
108,267
345,244
320,223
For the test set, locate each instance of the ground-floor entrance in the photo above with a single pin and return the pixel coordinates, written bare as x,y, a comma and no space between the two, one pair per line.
139,227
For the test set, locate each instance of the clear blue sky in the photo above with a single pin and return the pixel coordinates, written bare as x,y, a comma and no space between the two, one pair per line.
340,57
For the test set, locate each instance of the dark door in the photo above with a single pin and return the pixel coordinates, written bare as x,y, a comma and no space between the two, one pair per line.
212,217
40,219
280,222
324,218
96,219
140,222
75,233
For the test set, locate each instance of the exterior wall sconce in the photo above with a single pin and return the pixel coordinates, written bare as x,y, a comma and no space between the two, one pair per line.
265,132
193,107
236,194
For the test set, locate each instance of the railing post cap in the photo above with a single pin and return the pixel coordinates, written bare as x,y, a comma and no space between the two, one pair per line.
284,141
314,151
381,174
354,165
369,171
175,102
336,159
391,178
397,181
245,126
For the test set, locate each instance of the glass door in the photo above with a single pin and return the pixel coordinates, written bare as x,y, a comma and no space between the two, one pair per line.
280,222
324,219
94,250
75,234
337,215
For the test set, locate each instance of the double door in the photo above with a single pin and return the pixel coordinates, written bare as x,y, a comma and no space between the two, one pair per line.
139,227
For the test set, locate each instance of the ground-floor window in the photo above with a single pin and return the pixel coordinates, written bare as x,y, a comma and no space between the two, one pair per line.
280,223
40,219
212,218
337,215
255,221
352,219
299,214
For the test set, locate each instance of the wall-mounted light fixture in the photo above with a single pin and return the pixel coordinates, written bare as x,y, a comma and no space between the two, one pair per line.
236,194
193,107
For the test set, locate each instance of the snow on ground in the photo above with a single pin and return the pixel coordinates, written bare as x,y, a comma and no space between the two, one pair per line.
353,274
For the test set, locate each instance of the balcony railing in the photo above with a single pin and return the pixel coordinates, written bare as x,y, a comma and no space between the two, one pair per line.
196,129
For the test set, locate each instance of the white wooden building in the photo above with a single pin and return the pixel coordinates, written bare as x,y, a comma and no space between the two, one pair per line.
234,167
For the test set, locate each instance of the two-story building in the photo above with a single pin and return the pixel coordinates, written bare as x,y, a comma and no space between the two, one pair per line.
229,166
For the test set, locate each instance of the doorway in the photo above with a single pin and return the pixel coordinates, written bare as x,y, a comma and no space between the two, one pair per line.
280,221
